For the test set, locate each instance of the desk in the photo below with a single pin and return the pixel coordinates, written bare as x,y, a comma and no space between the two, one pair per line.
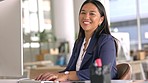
9,80
39,63
112,81
32,73
32,81
137,67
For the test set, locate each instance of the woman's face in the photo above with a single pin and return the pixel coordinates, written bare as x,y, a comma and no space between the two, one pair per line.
90,17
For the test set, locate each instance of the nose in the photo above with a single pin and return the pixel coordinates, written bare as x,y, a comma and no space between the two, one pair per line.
86,16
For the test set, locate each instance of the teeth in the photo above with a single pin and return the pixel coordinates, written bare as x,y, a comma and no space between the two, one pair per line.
86,22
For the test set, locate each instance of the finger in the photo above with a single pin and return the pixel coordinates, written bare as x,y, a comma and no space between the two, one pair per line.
39,77
52,78
48,77
42,76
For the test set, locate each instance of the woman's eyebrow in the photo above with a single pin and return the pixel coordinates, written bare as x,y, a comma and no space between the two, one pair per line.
90,11
82,10
93,11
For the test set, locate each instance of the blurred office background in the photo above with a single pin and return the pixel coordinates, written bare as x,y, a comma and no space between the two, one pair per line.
50,28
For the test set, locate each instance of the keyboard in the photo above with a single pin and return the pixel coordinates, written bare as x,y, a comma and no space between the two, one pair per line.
34,81
112,81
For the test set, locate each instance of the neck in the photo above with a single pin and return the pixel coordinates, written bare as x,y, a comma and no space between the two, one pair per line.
87,36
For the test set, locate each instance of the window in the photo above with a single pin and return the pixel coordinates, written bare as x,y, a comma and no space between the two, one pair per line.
36,18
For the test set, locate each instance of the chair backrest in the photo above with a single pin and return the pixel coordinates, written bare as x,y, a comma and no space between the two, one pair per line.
124,71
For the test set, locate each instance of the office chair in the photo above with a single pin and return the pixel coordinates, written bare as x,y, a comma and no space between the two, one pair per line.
124,71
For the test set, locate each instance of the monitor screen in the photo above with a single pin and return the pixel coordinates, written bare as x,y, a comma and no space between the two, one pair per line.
11,51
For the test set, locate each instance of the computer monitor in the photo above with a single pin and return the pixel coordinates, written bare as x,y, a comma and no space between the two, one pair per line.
11,51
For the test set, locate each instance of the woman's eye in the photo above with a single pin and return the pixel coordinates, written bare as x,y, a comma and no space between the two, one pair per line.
83,13
92,14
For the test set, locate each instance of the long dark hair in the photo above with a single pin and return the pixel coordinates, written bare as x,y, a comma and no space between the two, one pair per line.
103,28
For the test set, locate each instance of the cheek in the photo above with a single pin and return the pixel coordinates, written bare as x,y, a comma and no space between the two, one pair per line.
80,18
96,21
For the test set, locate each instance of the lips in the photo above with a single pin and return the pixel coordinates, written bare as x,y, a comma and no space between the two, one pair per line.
86,22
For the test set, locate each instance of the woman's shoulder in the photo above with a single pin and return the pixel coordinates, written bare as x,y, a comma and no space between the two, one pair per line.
106,36
103,38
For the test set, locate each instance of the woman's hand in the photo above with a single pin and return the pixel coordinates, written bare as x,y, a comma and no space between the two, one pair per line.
52,77
62,77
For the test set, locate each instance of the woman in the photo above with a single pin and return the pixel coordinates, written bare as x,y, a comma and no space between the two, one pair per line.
94,41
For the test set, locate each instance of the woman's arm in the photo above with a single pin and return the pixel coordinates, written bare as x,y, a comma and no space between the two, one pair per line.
108,55
55,76
75,75
71,75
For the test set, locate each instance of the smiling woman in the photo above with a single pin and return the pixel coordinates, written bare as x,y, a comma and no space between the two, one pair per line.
94,41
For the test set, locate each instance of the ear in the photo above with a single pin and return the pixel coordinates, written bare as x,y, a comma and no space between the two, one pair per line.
101,20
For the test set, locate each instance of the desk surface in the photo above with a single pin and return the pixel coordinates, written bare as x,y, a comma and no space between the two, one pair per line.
32,81
112,81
